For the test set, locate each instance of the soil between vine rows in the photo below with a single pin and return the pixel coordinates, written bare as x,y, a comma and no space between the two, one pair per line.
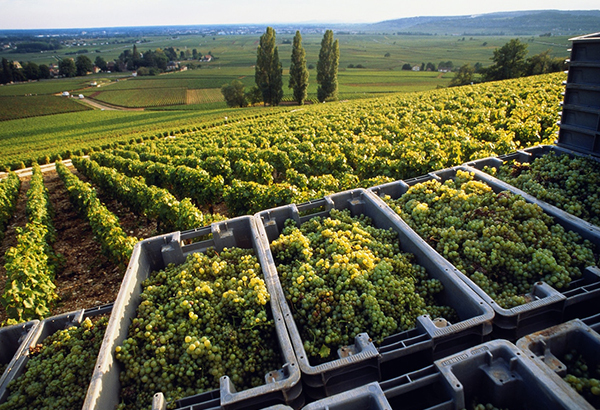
86,278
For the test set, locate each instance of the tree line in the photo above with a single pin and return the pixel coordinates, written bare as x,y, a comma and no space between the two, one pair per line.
268,74
510,61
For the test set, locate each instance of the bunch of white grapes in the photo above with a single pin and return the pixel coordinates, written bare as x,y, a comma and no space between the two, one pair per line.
342,276
198,321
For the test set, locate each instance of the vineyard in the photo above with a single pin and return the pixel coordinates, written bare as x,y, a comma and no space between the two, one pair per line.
193,178
36,105
133,98
121,193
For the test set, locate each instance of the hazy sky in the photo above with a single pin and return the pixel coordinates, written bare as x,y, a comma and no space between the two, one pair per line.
23,14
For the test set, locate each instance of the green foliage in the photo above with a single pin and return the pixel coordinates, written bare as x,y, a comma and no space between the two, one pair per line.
150,201
464,76
509,61
105,225
30,265
83,65
67,67
234,94
298,72
9,193
268,70
327,67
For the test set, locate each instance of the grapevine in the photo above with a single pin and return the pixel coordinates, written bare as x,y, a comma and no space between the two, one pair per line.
154,202
9,191
501,242
105,225
342,277
59,370
31,264
199,321
572,184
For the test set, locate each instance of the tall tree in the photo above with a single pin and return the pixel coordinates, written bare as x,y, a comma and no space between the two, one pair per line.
234,94
268,73
67,67
7,71
465,76
101,63
298,71
327,67
509,61
84,65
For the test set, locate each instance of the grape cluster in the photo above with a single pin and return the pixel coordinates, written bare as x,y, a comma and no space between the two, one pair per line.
197,322
59,370
570,183
500,241
342,276
583,377
488,406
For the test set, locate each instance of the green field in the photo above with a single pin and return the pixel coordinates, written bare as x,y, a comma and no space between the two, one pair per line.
380,57
36,105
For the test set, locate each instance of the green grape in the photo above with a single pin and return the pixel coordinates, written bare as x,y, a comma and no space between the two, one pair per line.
59,370
342,276
572,184
500,241
583,376
197,322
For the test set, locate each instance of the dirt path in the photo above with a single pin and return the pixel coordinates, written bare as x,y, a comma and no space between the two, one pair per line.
105,106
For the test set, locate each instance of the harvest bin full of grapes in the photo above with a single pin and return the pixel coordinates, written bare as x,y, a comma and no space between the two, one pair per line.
529,264
54,367
13,340
197,320
362,299
492,375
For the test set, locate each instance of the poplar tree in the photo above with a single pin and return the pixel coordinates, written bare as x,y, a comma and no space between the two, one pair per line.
268,73
298,71
327,67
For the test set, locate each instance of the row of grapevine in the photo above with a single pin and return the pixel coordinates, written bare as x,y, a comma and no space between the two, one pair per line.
9,191
105,225
31,264
150,201
193,183
291,157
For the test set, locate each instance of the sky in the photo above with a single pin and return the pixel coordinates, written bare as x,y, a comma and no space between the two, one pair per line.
35,14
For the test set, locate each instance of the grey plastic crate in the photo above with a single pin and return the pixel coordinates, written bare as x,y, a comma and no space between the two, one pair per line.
499,373
586,48
282,385
547,347
362,362
582,96
13,340
580,123
584,73
495,372
548,306
581,117
41,331
367,397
